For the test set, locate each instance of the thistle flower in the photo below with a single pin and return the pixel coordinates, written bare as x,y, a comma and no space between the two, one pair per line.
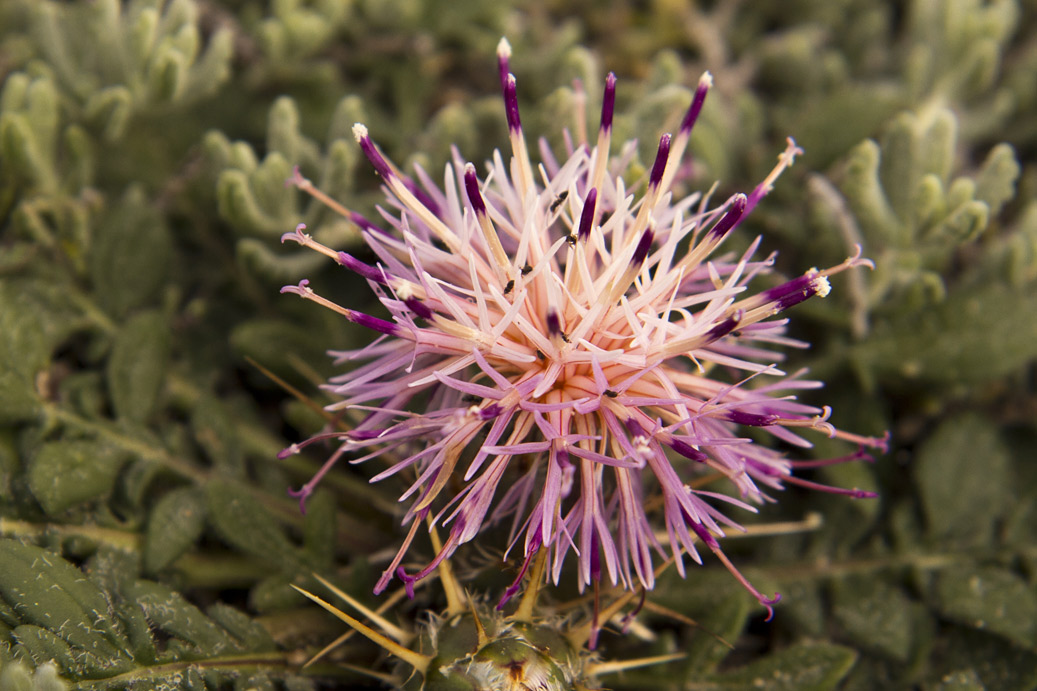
570,353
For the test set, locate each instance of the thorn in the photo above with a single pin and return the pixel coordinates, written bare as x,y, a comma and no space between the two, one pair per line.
686,620
416,660
451,586
390,629
296,393
480,631
599,668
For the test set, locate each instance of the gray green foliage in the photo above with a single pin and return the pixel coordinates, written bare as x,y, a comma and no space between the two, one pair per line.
146,537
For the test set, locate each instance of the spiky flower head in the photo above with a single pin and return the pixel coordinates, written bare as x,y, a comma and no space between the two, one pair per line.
570,354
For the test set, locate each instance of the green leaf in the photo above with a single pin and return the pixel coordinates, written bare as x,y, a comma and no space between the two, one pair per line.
112,108
995,184
979,333
875,615
799,668
62,610
961,680
43,646
250,634
130,254
137,366
214,430
244,523
998,664
17,677
174,525
726,619
962,475
18,399
319,529
274,344
277,265
865,195
36,317
65,473
169,612
991,599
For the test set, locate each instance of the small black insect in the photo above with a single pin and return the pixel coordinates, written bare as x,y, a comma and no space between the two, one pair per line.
558,200
509,286
526,269
611,394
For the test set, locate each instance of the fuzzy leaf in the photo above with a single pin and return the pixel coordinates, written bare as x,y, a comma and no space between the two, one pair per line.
36,317
17,677
65,473
214,430
137,366
250,634
175,524
61,610
997,663
43,646
277,265
112,107
169,612
962,475
799,668
725,618
874,614
995,184
991,599
129,257
977,334
18,399
247,525
272,343
961,680
865,196
319,529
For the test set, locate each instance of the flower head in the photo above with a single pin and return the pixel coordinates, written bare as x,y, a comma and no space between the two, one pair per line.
572,354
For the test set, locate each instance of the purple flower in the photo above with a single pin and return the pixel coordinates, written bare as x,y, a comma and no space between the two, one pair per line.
572,355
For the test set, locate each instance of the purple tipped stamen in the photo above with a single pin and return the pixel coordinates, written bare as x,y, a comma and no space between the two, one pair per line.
750,419
725,327
371,273
687,450
643,246
608,102
587,216
730,218
696,103
796,291
419,308
371,151
471,186
511,105
660,160
373,323
554,324
503,62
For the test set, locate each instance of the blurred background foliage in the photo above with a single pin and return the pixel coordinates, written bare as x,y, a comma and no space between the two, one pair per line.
146,537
